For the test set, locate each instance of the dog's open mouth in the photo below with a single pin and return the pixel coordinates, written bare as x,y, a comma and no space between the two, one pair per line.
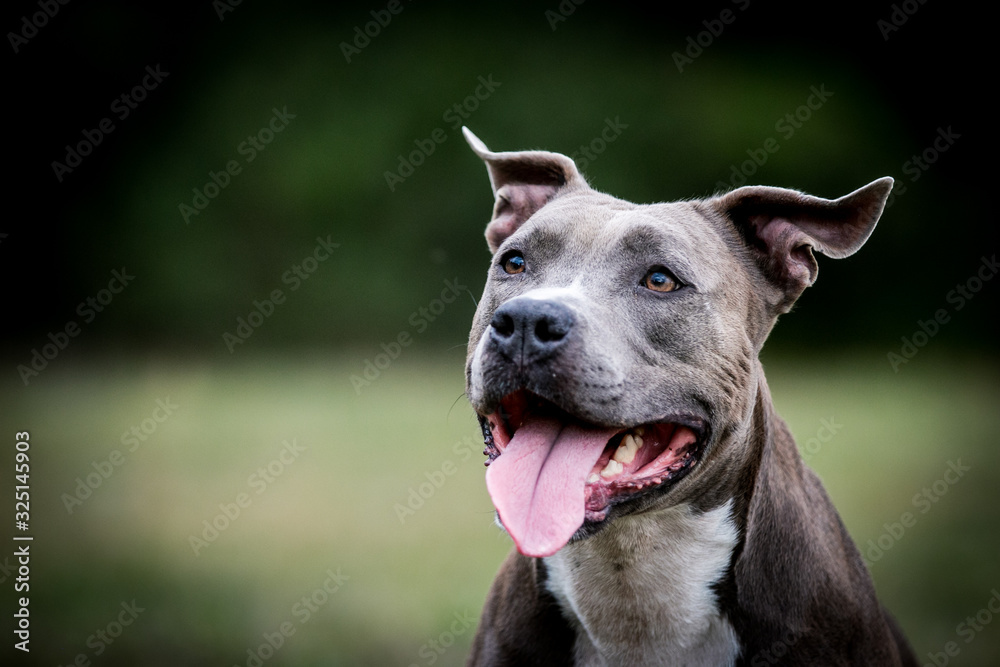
550,472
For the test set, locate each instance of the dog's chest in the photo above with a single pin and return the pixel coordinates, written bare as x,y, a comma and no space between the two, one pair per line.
639,593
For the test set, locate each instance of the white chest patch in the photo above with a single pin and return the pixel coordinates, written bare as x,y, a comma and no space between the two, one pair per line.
639,592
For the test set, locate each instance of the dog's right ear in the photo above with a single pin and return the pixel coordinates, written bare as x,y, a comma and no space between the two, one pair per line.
523,182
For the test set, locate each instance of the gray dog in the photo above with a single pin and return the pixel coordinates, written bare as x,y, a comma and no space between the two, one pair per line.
660,509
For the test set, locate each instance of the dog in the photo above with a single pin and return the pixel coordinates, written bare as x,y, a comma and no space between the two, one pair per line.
660,510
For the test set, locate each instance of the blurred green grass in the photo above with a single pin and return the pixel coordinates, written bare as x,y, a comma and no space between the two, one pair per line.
334,506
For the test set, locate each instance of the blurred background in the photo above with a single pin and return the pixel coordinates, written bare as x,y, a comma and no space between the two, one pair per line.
242,247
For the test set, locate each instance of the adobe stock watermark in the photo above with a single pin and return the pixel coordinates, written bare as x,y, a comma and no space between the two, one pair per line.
924,500
786,126
30,25
590,151
105,468
561,13
898,17
776,652
958,297
967,630
417,495
419,321
223,7
60,340
920,163
103,638
381,18
294,277
301,611
121,107
435,647
249,148
828,428
454,116
258,481
696,44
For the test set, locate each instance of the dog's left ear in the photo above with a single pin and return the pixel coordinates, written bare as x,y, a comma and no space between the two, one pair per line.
782,227
523,182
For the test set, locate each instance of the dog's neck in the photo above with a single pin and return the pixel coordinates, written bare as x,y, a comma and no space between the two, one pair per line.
641,591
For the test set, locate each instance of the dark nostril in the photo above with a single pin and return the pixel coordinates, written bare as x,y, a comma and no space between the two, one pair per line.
503,324
548,331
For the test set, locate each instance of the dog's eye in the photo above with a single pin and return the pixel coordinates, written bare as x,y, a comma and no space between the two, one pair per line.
659,279
513,262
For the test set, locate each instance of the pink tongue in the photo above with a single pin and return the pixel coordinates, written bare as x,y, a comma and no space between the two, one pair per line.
537,484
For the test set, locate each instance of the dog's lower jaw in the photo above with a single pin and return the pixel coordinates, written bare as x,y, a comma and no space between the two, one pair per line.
631,570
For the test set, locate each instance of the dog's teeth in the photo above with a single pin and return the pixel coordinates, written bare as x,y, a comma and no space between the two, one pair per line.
593,478
626,450
638,441
639,430
613,468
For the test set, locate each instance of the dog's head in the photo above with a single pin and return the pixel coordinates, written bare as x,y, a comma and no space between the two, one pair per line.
612,356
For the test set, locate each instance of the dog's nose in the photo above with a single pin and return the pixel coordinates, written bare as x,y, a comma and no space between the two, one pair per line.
528,330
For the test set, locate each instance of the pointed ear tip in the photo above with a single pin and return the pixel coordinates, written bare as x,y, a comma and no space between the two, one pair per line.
474,142
879,189
884,183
